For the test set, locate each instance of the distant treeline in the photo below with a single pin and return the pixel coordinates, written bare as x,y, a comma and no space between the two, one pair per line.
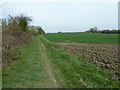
96,30
110,31
106,31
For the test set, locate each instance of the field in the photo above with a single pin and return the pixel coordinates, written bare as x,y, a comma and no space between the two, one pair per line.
104,56
44,64
32,58
99,49
88,38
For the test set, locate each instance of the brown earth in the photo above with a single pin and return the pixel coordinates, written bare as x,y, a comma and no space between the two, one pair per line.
10,40
104,56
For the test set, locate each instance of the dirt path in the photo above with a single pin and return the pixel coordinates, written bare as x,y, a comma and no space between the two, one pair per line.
48,68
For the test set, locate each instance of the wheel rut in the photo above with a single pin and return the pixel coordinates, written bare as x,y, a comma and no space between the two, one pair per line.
51,78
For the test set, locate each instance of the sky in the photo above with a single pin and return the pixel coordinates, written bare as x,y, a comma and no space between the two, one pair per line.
66,16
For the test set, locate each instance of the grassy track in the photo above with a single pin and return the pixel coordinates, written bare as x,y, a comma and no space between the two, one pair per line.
88,38
44,64
32,70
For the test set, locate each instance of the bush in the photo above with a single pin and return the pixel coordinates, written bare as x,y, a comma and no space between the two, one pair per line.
16,22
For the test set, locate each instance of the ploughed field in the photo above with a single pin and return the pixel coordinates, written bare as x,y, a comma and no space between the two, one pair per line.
99,49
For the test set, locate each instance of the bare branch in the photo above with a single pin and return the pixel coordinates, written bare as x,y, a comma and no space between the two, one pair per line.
3,4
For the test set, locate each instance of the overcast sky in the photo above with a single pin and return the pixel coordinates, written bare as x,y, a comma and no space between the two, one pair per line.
67,16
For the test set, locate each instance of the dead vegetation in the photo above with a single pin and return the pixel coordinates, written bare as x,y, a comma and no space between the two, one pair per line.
104,56
16,31
10,40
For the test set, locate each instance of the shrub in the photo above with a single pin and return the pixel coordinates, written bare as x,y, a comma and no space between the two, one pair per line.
16,22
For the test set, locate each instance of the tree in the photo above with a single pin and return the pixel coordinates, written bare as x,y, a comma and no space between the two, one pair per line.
93,30
4,24
40,30
16,22
23,21
59,32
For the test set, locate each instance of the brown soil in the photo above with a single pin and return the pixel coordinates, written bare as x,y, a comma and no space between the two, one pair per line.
10,40
104,56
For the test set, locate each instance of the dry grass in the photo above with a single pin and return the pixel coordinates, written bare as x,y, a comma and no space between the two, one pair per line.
10,40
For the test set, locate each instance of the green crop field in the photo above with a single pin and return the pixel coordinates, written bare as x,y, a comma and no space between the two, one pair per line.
88,38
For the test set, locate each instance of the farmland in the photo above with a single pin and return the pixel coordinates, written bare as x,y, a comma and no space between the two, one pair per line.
43,64
99,49
64,60
88,38
83,53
